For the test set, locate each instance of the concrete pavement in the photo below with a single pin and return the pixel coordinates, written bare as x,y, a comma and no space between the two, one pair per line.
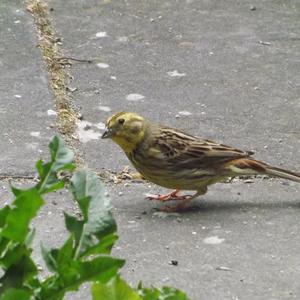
218,69
26,106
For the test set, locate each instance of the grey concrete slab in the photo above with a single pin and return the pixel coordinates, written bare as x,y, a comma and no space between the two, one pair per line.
241,85
24,93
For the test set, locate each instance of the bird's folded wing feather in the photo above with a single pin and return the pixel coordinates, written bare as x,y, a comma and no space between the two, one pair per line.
183,150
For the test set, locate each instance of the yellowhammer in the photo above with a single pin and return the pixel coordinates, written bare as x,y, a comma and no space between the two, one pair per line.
173,159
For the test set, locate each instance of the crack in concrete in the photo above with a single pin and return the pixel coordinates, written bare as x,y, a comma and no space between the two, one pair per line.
50,44
6,176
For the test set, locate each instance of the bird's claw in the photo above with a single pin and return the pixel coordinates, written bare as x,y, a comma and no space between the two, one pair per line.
168,197
157,197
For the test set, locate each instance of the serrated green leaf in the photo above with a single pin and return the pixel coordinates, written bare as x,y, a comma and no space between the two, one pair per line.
23,210
89,192
115,289
60,153
72,273
165,293
61,159
16,294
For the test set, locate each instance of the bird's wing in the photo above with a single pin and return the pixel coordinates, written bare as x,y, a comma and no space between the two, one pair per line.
183,150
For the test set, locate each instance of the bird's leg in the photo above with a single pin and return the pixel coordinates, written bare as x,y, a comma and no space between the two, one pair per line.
171,196
183,205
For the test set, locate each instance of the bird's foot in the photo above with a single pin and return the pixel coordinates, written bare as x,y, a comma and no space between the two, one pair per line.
183,205
168,197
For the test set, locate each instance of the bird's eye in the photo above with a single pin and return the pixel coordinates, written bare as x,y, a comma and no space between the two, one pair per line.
121,121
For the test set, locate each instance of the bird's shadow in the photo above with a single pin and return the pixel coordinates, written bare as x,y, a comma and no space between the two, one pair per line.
230,206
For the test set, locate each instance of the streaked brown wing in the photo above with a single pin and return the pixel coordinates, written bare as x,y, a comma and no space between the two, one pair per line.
181,150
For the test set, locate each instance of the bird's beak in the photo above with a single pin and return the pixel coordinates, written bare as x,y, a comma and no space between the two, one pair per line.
107,133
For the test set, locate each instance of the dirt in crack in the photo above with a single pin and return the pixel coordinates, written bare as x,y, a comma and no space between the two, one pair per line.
58,77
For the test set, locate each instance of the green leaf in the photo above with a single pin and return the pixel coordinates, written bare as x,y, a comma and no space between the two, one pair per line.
104,247
15,190
16,294
165,293
19,274
115,289
74,226
55,258
23,210
50,258
61,159
72,273
29,238
13,254
89,192
3,214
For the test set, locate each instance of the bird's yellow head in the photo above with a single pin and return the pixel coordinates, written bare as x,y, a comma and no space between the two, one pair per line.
126,129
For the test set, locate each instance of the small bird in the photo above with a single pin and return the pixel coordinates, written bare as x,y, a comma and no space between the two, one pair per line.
176,160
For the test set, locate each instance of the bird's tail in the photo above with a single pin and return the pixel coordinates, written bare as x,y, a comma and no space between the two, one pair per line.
247,166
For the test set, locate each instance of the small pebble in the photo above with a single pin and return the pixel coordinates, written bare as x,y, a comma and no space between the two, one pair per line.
102,65
104,108
101,34
51,112
175,73
184,113
134,97
252,7
72,89
120,193
173,262
213,240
